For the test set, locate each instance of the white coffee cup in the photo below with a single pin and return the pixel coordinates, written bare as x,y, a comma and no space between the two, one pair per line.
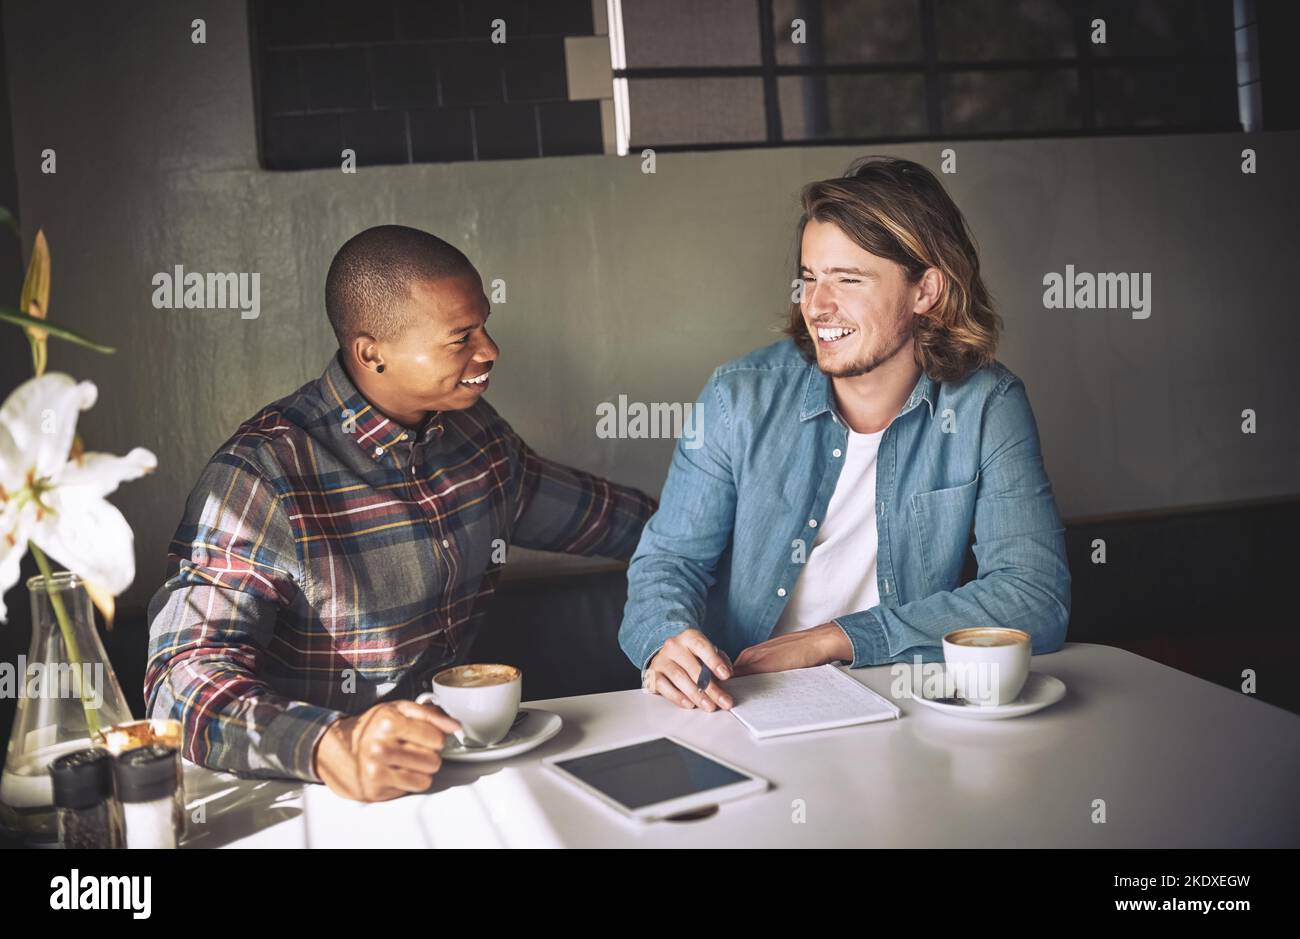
988,665
483,697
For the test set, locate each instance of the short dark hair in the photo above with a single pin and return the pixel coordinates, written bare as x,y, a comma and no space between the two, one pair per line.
898,209
373,272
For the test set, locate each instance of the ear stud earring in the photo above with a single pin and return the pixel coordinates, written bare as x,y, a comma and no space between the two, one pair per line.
379,368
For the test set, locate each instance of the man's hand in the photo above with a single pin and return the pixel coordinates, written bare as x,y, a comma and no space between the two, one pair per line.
675,670
802,649
385,752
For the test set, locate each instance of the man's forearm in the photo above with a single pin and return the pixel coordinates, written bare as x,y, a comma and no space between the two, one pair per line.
200,672
234,723
665,596
836,642
883,634
571,511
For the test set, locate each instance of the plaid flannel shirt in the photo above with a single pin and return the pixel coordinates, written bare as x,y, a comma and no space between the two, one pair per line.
329,558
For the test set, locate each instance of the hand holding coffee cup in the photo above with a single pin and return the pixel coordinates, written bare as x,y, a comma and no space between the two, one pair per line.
988,664
384,752
483,698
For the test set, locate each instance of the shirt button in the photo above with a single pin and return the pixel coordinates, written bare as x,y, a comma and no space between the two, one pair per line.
412,469
837,453
379,451
446,543
812,523
780,591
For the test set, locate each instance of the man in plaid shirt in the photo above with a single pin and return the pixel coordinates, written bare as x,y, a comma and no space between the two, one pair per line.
341,547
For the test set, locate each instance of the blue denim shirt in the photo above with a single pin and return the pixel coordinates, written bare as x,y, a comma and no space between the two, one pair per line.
737,514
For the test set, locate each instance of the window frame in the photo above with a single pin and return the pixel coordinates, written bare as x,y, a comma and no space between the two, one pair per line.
1083,63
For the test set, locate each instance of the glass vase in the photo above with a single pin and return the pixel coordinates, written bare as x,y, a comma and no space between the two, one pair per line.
66,694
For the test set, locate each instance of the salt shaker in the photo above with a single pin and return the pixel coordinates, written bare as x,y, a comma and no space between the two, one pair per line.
89,814
146,785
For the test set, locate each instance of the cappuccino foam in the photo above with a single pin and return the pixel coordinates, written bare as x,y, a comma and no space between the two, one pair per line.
986,638
476,676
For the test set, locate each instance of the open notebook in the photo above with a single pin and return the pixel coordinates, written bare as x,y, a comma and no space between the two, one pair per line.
805,699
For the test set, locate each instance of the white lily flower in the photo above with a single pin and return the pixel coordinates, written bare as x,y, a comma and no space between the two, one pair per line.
55,500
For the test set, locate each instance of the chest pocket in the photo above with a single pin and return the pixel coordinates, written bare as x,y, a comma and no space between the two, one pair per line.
943,519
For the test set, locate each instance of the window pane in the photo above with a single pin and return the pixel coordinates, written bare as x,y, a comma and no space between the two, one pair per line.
1011,101
1155,96
691,33
1163,27
977,30
848,32
852,106
696,111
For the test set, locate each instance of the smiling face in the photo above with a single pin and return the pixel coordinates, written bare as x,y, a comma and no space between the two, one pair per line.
858,307
441,361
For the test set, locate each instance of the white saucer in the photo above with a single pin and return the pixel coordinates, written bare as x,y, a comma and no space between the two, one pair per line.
1039,692
535,729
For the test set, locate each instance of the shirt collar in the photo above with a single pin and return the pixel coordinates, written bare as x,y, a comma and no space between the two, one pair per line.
369,429
818,397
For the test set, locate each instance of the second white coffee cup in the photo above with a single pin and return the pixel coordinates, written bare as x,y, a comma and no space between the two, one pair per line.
988,665
483,698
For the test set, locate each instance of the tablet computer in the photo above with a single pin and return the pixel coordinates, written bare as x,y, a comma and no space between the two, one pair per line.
654,777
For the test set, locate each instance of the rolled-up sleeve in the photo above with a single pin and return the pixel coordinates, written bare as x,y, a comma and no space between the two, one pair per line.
231,570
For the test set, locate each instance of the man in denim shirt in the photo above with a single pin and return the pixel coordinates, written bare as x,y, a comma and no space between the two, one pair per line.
826,514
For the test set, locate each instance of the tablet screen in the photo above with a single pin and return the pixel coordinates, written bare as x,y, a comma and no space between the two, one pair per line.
654,771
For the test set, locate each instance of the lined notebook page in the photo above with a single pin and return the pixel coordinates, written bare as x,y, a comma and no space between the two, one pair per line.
805,699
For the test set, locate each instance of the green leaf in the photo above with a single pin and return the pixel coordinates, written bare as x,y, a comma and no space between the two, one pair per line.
9,315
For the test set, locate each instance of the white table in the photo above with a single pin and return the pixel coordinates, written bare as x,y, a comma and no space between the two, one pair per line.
1180,762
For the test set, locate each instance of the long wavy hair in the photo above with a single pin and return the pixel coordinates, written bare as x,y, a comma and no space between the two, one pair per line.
898,210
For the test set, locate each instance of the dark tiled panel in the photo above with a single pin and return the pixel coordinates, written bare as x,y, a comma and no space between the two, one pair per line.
320,22
534,70
336,78
479,17
357,20
317,22
418,80
529,17
470,73
570,127
291,23
281,83
376,136
302,142
506,131
561,18
404,76
428,19
441,136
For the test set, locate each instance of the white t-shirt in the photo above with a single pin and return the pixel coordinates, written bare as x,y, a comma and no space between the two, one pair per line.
839,574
